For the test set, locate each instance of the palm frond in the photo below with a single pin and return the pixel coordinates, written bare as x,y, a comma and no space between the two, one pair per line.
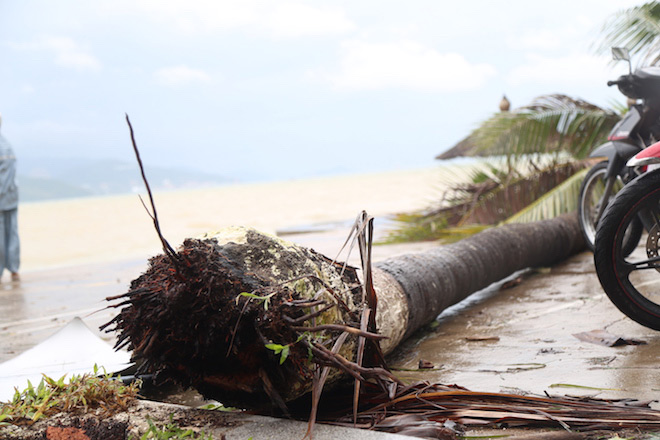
637,29
505,200
549,125
488,203
562,199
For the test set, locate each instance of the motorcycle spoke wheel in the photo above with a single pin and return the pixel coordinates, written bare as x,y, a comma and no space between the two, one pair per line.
591,199
632,280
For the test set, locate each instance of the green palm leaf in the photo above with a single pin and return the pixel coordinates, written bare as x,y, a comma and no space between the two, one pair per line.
560,200
637,29
549,125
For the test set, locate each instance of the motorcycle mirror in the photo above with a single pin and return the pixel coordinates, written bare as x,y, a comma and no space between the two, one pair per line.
621,54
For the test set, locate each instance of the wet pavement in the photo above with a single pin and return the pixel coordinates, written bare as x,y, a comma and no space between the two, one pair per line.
46,300
522,340
519,339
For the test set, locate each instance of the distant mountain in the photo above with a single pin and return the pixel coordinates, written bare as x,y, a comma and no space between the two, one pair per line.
33,189
58,178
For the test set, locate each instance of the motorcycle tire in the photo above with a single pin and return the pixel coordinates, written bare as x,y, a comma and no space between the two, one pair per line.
632,282
589,202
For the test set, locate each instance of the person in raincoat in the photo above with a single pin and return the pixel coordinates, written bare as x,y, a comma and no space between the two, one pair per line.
9,242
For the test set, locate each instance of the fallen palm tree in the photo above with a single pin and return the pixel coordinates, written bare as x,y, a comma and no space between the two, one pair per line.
247,318
253,321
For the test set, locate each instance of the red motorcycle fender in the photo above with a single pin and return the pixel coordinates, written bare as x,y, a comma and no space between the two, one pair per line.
648,156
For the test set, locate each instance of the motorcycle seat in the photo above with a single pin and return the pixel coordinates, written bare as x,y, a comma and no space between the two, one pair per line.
648,83
649,73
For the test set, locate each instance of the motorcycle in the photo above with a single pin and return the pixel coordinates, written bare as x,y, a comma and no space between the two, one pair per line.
630,279
639,128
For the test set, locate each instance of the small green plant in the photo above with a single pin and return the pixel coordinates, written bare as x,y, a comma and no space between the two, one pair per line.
4,416
218,407
172,431
265,299
282,350
81,393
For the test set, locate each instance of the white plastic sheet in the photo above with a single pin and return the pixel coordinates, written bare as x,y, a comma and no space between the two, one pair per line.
73,350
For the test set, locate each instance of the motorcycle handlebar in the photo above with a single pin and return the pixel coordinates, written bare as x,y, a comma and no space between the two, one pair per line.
624,81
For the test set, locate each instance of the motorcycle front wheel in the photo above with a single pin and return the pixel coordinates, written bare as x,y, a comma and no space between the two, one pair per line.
590,201
632,281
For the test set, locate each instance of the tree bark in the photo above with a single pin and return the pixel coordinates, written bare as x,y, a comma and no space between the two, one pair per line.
246,318
438,278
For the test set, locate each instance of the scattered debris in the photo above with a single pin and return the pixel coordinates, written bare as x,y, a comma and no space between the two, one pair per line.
601,361
550,350
415,425
582,387
516,368
602,337
477,338
440,403
425,365
511,283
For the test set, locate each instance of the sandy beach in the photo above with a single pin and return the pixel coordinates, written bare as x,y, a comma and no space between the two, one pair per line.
90,230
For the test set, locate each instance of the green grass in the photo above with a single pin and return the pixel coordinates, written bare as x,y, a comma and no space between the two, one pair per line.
80,393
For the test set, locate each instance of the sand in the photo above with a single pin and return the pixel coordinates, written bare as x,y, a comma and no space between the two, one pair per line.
90,230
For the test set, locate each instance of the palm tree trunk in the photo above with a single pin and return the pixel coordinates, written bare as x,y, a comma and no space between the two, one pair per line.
438,278
246,318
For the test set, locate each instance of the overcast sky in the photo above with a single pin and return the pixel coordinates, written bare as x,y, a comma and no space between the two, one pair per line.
285,89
